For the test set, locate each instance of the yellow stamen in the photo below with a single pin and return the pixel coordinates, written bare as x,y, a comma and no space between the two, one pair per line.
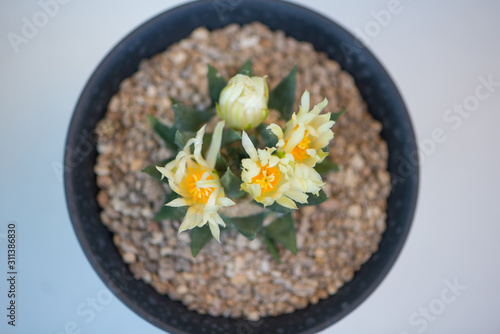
300,151
199,195
268,178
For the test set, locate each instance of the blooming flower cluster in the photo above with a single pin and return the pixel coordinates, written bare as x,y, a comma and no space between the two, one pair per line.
278,173
269,178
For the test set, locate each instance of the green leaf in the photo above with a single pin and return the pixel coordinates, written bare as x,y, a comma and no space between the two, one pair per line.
282,98
282,230
253,138
268,138
336,115
234,154
190,119
216,84
315,200
229,136
271,247
221,164
207,140
173,100
153,172
232,184
170,213
166,132
246,68
200,236
326,166
248,226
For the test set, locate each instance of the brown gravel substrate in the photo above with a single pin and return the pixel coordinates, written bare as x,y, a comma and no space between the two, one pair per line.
239,278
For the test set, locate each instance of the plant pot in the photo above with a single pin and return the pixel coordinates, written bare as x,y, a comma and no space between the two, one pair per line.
377,89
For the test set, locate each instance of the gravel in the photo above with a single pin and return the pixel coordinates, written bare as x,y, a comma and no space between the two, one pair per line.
239,278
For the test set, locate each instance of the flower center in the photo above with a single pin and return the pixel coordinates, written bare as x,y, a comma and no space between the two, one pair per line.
199,195
268,178
300,151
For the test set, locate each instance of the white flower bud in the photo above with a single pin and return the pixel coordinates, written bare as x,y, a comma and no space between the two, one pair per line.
243,102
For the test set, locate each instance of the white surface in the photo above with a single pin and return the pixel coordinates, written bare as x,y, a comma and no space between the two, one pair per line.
435,52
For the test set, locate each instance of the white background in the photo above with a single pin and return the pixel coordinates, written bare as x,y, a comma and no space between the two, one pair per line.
435,52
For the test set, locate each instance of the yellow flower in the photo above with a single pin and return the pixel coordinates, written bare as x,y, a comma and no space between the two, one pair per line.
243,102
304,138
306,134
267,177
196,181
307,179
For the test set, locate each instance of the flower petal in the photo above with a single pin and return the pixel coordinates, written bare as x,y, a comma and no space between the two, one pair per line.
305,101
251,169
178,202
198,142
249,146
224,201
190,221
297,196
322,140
295,139
325,126
276,130
214,228
207,184
219,220
214,149
164,172
286,202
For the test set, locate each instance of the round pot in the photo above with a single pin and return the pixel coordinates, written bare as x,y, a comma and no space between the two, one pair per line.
377,89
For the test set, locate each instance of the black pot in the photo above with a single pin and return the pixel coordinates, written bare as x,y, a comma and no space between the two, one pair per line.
377,89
